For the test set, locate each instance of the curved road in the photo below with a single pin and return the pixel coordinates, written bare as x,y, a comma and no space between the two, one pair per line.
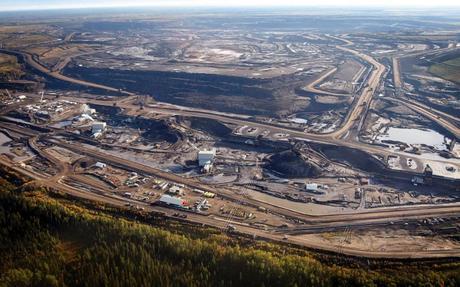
55,74
334,221
430,115
312,86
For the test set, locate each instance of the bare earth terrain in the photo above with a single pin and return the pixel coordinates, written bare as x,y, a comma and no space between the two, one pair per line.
333,133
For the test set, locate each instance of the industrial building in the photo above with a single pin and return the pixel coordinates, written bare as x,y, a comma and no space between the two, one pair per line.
176,190
97,128
205,159
312,187
100,165
173,201
85,109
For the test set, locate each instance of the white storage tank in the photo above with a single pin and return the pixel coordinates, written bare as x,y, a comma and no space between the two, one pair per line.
100,165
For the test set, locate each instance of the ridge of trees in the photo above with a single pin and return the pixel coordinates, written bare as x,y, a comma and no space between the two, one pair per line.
46,241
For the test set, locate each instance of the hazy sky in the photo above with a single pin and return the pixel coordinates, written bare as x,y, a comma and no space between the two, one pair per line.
53,4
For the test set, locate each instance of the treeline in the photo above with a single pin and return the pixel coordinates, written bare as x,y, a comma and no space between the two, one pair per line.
10,69
46,241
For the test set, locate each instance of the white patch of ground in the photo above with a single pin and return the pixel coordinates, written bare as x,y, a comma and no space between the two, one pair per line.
416,137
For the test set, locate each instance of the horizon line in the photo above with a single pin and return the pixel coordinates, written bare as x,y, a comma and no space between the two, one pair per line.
225,6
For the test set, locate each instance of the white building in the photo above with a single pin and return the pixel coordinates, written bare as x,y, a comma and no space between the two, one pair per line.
176,190
84,118
85,109
207,167
206,157
312,187
97,128
100,165
173,201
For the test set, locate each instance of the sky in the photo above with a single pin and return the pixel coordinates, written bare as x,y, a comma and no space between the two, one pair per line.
11,5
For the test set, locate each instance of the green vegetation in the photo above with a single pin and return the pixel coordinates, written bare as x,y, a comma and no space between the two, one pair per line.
50,240
449,70
9,68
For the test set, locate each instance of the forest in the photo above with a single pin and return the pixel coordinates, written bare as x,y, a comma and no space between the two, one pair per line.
49,239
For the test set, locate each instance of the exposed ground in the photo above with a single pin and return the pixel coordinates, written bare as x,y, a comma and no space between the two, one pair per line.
449,70
10,69
314,145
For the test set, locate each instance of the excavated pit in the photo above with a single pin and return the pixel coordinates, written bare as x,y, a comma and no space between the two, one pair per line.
291,165
153,130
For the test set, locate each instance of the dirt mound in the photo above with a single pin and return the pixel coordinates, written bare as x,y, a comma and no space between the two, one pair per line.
212,127
154,130
354,157
291,165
